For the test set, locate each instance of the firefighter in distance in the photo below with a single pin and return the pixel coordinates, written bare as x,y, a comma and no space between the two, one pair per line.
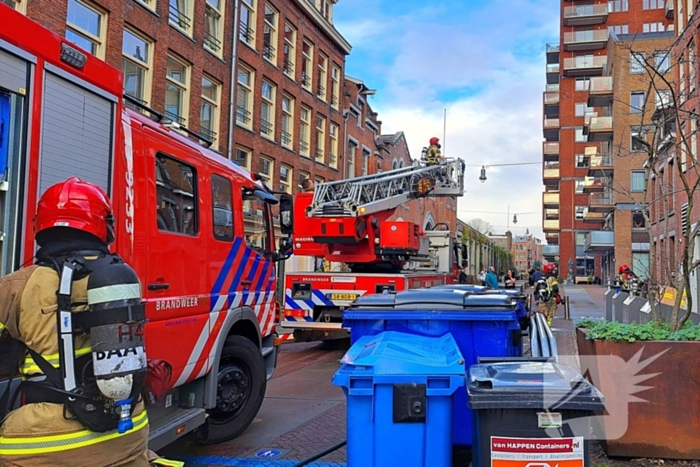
48,309
547,292
626,277
433,154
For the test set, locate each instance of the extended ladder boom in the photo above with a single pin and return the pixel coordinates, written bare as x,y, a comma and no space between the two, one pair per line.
383,191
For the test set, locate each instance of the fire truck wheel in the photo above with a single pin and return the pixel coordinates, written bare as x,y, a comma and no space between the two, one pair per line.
240,391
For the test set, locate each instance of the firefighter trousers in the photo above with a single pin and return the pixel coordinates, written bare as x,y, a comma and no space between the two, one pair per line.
548,309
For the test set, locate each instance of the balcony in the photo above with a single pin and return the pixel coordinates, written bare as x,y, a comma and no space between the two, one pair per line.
552,87
670,8
593,185
552,238
600,91
599,240
600,165
550,224
585,66
601,202
586,40
552,74
551,128
550,200
550,251
550,172
585,15
550,148
595,217
553,48
598,129
551,98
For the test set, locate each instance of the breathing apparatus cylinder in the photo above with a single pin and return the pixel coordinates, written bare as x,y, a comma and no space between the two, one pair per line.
118,355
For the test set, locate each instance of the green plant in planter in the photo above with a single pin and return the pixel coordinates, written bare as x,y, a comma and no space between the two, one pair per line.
651,331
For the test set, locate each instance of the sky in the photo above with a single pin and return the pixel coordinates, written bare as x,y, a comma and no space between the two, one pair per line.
484,62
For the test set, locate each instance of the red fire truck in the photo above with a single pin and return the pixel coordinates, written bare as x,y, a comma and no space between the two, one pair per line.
209,277
346,222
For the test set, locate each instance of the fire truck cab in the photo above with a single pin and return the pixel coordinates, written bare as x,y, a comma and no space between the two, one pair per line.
208,275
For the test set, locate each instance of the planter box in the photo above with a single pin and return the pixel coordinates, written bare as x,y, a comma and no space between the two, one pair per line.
666,423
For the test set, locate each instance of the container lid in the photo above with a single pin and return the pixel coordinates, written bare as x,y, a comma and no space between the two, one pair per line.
398,353
438,299
522,383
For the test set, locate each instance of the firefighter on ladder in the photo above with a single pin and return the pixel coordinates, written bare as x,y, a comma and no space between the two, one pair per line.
65,419
433,154
547,292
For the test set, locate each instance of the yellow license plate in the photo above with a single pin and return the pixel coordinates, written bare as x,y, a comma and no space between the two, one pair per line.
344,296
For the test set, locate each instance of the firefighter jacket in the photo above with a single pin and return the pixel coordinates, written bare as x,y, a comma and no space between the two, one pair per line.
433,154
551,286
38,434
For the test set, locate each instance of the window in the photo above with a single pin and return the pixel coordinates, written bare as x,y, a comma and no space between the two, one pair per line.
617,5
19,5
637,63
326,8
580,182
320,139
180,15
290,49
302,176
638,138
286,178
637,181
662,61
222,204
335,86
582,109
692,67
246,32
580,137
176,196
306,64
256,223
636,102
243,157
638,221
322,76
351,160
305,131
287,121
640,264
663,99
583,84
270,34
136,66
267,167
86,27
213,32
365,162
581,161
319,180
150,4
267,110
244,97
209,116
619,29
177,83
653,4
653,27
333,153
581,212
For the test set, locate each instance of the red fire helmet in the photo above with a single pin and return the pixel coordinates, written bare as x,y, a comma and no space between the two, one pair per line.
434,140
548,268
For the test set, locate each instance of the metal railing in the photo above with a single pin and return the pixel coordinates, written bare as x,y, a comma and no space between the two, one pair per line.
305,80
207,133
246,33
601,84
334,100
174,117
286,138
288,67
552,68
600,124
268,51
600,160
242,115
582,63
582,11
550,147
551,98
212,42
552,48
321,92
582,37
303,147
551,123
266,127
179,18
320,155
605,199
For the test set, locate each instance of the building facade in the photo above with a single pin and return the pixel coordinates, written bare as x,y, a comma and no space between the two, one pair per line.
527,250
580,55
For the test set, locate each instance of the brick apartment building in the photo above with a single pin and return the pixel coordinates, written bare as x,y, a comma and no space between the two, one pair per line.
580,55
526,249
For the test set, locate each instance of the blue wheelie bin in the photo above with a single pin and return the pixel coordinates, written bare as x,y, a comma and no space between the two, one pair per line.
400,399
482,326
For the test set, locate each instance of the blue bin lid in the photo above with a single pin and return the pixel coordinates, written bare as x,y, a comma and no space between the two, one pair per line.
434,299
398,353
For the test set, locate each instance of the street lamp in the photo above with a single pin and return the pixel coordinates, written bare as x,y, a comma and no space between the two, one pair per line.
482,177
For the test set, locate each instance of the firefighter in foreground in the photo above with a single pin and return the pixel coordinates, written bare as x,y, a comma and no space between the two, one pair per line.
547,292
75,319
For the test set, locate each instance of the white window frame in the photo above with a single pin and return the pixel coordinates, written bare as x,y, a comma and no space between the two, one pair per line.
287,123
351,159
322,91
270,49
307,65
637,63
579,137
216,110
305,131
320,154
640,109
214,42
333,131
246,121
267,127
18,5
286,185
185,15
335,86
147,66
634,173
267,176
290,50
97,40
246,33
183,86
365,162
240,150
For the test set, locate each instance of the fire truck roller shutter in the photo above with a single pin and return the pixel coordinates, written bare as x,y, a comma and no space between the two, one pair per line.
237,381
13,72
77,139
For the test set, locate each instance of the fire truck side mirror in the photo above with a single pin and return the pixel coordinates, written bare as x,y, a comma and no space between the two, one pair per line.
286,215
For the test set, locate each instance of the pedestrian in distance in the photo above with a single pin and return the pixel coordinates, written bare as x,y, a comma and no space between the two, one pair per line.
492,279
